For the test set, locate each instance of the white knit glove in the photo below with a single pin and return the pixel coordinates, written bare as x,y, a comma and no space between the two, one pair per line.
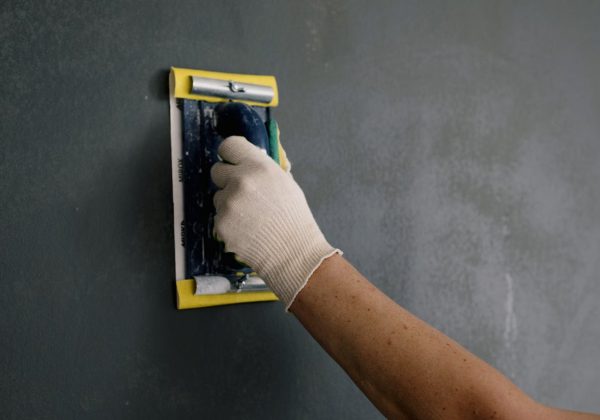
263,217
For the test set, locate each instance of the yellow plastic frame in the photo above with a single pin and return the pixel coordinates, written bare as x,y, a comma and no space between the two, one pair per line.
182,79
187,299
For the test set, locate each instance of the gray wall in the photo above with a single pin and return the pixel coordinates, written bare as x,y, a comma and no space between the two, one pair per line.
450,148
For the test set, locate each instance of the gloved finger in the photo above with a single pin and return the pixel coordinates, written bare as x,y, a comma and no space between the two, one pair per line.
221,173
215,234
219,199
219,227
238,259
235,149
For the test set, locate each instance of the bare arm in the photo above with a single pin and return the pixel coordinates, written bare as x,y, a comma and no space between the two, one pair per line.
406,368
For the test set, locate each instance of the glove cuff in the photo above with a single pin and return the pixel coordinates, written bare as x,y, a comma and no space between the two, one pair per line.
289,281
293,256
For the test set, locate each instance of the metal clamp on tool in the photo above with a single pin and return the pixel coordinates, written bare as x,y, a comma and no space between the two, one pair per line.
229,89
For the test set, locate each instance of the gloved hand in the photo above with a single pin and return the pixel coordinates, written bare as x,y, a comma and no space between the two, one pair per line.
263,217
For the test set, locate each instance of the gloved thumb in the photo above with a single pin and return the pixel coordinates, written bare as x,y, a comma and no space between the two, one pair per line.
235,149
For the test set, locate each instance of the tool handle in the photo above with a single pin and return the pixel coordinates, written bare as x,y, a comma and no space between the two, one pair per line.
239,119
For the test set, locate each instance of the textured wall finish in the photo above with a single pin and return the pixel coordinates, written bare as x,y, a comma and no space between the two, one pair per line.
451,149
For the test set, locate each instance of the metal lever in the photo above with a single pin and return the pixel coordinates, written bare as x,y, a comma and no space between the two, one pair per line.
230,89
234,87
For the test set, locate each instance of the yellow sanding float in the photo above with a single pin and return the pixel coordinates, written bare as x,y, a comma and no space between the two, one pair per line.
206,107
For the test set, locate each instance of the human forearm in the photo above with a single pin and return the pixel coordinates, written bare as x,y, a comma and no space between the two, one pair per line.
406,367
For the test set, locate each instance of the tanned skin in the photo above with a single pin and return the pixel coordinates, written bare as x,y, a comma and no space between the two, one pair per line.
407,368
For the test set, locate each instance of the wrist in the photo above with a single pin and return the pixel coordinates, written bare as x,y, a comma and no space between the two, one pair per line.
291,261
289,280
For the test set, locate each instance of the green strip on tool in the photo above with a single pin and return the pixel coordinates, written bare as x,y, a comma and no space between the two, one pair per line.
273,130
